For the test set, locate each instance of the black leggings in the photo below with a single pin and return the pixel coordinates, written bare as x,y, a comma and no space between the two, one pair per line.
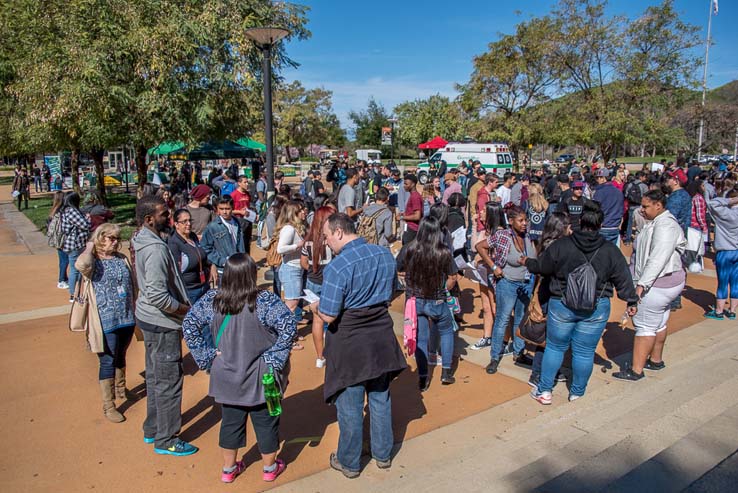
233,427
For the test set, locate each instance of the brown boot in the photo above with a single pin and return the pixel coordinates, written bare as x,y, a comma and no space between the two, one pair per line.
120,385
107,389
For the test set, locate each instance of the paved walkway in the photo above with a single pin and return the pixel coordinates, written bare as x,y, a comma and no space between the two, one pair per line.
674,430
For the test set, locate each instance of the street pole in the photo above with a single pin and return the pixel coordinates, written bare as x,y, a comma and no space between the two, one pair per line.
735,146
125,166
704,83
268,133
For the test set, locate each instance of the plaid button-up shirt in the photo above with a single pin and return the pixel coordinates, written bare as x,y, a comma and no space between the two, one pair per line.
76,228
699,213
361,275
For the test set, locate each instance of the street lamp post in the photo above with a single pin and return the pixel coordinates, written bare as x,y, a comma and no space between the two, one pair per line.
392,137
265,38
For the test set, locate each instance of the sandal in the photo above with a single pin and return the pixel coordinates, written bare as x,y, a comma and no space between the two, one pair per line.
296,346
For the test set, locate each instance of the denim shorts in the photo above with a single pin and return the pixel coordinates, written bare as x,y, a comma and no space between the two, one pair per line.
291,279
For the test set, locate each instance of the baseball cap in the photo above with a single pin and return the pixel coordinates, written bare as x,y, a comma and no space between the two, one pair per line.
577,184
679,175
603,172
200,192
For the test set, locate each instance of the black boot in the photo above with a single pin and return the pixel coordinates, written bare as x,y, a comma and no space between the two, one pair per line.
446,377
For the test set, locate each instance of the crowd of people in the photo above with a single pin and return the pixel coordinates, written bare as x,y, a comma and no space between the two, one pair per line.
544,238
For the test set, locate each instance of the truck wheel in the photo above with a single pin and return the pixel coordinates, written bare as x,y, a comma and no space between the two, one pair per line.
423,177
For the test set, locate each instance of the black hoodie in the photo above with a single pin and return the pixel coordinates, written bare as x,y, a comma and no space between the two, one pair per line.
566,254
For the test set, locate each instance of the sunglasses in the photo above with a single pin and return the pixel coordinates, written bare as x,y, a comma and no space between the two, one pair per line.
114,238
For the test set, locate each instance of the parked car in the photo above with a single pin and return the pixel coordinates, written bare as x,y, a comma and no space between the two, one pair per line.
565,158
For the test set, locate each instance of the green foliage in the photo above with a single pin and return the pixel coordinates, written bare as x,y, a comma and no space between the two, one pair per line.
422,119
305,116
368,124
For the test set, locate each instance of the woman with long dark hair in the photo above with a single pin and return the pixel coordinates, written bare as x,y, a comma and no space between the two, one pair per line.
513,283
557,226
427,263
252,335
315,255
493,219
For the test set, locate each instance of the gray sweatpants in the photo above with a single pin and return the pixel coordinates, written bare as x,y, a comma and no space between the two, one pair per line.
163,386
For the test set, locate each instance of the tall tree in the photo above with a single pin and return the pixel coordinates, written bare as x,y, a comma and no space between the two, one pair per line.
423,119
305,116
368,124
515,74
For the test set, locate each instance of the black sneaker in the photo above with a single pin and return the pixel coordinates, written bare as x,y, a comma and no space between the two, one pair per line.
560,377
447,377
523,359
423,384
628,374
533,380
491,368
506,348
650,365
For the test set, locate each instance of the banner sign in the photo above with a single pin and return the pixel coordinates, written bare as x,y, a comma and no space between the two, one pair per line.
386,136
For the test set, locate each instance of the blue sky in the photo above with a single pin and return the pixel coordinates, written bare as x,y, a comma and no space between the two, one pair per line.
408,49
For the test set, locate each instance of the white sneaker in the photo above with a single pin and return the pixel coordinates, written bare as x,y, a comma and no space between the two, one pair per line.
320,363
573,397
62,285
434,359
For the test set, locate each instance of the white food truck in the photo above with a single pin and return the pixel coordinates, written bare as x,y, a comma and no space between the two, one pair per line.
495,158
371,156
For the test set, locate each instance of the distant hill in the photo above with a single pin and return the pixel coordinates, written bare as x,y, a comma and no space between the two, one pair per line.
725,94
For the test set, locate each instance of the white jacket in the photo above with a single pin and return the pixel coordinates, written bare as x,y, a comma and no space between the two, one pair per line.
658,250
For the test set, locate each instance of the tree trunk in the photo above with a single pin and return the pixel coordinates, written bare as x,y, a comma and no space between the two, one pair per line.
141,168
74,163
97,158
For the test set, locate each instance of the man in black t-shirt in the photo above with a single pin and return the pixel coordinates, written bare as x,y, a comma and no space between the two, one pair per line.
572,202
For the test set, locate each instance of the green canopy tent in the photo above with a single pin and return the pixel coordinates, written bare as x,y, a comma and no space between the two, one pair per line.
225,149
166,148
251,144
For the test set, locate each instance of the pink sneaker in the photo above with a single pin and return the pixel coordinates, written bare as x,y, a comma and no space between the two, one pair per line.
542,397
229,477
271,476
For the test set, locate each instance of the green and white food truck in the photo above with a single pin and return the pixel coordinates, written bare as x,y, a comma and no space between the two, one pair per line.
495,158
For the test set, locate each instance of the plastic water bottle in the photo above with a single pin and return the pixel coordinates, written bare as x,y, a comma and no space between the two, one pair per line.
272,394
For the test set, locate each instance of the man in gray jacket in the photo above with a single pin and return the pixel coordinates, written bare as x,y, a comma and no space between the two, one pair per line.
160,308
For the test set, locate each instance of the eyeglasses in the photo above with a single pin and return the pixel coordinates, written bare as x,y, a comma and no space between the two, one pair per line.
186,221
114,238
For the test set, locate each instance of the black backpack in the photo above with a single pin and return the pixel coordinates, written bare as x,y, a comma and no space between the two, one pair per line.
633,193
332,174
581,287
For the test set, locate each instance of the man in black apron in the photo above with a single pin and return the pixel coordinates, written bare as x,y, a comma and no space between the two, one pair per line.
361,351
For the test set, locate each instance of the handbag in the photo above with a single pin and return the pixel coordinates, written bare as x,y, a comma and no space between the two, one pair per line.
533,327
80,306
273,259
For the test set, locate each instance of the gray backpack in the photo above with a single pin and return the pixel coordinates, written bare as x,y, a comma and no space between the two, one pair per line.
581,287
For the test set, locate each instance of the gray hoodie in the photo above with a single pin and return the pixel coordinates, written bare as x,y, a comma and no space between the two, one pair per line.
160,287
726,222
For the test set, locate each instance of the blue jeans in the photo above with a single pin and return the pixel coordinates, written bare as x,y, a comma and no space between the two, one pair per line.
581,330
435,311
63,264
629,224
276,283
611,234
350,412
73,272
510,296
115,347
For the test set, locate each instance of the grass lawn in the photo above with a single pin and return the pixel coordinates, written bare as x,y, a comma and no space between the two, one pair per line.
124,207
6,180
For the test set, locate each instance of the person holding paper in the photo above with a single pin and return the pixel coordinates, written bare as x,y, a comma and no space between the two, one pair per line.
241,203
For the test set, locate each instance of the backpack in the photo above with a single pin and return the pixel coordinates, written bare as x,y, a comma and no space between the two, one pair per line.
332,174
581,287
633,193
54,233
227,188
273,259
368,227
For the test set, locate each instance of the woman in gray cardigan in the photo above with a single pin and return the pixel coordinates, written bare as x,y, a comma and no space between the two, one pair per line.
253,332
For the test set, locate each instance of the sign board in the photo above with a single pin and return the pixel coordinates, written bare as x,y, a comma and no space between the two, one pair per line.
657,167
54,164
386,136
